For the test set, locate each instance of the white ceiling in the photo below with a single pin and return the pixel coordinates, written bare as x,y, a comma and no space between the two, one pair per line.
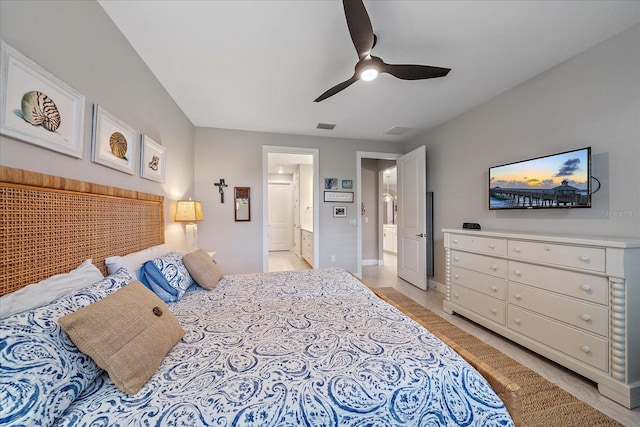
287,162
258,65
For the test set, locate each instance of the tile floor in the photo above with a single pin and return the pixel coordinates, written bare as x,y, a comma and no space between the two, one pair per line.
286,261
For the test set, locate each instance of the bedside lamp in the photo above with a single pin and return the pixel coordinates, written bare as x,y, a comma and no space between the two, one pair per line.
190,211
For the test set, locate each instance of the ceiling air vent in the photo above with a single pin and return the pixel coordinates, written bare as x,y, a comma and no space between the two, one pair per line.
397,130
327,126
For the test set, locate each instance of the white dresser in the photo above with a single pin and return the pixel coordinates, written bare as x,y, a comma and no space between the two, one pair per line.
573,300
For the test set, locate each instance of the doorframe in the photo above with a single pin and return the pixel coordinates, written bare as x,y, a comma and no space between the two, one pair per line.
314,152
359,156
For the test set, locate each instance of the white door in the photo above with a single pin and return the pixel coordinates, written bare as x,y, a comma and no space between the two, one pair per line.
280,217
412,220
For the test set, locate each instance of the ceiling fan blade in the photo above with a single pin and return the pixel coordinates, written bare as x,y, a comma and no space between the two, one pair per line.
337,88
414,72
359,26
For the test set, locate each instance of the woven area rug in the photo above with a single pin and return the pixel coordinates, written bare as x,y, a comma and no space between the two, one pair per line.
544,404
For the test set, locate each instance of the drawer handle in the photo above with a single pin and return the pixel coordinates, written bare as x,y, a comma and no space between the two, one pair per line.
455,241
492,246
494,311
456,296
455,258
494,267
586,349
517,250
586,288
518,297
517,273
517,321
494,289
586,317
456,276
585,258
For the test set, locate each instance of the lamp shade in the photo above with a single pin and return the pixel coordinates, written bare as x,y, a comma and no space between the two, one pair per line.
189,211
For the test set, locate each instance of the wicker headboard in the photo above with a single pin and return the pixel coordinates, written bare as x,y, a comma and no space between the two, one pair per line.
49,225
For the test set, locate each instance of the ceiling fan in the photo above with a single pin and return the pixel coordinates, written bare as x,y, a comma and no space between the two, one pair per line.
368,66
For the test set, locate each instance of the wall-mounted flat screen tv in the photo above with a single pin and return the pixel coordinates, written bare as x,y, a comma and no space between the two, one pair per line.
559,180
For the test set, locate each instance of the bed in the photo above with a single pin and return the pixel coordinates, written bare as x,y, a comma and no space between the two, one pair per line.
292,348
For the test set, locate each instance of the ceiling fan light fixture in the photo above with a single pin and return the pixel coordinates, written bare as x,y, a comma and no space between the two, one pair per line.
369,74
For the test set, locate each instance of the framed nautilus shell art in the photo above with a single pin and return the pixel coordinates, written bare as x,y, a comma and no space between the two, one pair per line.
152,159
37,107
113,142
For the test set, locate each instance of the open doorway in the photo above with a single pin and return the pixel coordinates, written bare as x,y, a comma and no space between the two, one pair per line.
388,193
370,183
290,227
412,231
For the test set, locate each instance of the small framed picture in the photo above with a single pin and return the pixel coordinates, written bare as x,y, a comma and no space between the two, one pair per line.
339,211
338,196
152,159
347,184
331,183
113,143
37,107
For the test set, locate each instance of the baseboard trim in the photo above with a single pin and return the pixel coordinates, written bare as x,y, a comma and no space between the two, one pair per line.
436,286
370,262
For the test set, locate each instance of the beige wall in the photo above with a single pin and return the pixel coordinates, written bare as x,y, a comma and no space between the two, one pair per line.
78,43
237,157
370,199
592,100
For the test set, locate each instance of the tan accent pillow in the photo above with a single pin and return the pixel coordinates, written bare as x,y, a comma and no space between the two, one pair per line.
127,334
202,268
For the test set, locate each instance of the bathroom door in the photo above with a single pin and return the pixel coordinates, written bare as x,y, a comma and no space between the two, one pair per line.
412,219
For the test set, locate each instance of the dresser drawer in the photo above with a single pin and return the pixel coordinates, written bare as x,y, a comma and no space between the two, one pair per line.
570,256
480,263
483,283
486,245
483,305
583,315
577,344
578,285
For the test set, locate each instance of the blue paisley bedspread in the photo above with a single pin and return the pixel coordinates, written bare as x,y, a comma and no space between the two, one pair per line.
312,348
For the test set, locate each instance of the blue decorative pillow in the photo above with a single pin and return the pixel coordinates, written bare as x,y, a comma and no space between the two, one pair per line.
167,276
42,371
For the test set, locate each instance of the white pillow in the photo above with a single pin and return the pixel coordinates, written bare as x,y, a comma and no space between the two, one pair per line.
133,261
47,290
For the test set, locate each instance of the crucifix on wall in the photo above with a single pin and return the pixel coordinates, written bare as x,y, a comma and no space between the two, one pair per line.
221,185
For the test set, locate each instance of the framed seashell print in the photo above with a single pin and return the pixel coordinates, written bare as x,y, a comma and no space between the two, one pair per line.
152,159
37,107
113,142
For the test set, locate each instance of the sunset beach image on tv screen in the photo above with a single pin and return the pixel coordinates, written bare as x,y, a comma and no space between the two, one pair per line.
556,181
